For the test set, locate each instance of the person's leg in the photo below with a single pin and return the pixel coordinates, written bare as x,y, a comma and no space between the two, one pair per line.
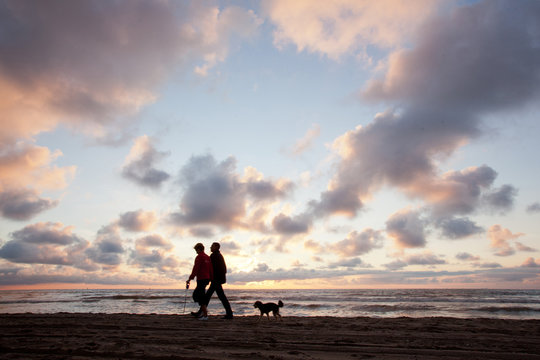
210,292
221,295
197,294
202,298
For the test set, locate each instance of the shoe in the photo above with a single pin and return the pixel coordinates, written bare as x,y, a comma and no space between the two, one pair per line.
227,317
196,313
203,318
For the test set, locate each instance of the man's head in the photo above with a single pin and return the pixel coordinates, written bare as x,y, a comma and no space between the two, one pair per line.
215,247
199,247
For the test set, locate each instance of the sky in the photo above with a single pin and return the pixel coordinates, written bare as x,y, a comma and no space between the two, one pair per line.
323,144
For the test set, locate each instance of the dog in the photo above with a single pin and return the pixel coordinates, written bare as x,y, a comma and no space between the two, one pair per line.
266,308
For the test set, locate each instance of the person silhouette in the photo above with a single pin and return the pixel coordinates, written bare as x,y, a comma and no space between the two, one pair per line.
202,270
220,269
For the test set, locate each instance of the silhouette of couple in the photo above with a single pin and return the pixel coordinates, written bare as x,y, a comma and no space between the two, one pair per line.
209,269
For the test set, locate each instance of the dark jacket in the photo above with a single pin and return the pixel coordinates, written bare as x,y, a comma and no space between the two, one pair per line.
220,269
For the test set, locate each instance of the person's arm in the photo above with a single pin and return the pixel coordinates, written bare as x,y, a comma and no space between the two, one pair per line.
221,264
196,267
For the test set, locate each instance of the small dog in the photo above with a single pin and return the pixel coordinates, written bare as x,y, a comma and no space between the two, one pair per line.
266,308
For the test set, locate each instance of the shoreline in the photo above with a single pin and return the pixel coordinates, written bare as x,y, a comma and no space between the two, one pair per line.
154,336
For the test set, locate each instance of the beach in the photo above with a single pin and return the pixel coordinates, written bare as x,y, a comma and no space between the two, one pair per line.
153,336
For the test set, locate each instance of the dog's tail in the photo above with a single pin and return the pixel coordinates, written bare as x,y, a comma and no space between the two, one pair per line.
280,303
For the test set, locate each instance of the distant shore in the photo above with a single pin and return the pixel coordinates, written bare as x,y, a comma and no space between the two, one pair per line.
127,336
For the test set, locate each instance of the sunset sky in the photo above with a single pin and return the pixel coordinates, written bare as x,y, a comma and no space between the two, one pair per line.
324,144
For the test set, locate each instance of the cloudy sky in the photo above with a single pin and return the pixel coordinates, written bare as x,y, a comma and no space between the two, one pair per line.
328,144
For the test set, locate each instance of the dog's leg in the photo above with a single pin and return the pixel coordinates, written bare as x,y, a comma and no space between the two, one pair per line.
276,314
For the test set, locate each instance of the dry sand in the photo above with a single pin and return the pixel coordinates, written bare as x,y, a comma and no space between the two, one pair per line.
125,336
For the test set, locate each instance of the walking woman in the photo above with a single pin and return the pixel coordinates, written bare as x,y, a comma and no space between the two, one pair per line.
202,270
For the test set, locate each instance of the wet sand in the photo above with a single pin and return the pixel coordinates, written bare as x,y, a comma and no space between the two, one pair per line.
126,336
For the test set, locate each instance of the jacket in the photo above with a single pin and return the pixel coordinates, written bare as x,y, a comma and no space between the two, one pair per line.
219,267
202,269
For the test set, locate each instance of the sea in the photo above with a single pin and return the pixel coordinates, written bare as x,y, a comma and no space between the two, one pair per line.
459,303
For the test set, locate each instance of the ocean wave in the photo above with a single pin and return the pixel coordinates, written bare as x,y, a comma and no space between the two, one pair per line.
307,306
507,309
14,302
508,304
130,297
391,308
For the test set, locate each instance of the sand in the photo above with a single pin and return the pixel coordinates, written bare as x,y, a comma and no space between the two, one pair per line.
126,336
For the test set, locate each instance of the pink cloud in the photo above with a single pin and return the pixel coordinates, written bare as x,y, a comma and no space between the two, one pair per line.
500,240
25,171
531,263
89,66
358,243
138,220
335,28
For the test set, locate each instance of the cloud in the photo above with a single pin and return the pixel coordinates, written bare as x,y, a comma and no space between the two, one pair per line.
264,273
491,265
23,204
265,190
467,63
425,258
47,77
467,257
138,220
285,225
350,263
343,201
478,58
458,228
500,240
217,28
47,275
458,192
522,247
501,199
358,243
25,171
229,246
47,243
108,247
25,165
531,263
314,246
394,150
215,194
346,26
152,251
306,141
202,231
139,166
396,265
533,208
407,229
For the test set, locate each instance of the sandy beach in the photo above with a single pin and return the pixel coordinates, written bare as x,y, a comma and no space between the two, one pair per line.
122,336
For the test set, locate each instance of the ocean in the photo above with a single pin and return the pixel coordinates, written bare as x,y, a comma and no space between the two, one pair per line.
462,303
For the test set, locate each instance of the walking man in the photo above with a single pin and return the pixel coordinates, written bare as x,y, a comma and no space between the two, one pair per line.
202,270
220,269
